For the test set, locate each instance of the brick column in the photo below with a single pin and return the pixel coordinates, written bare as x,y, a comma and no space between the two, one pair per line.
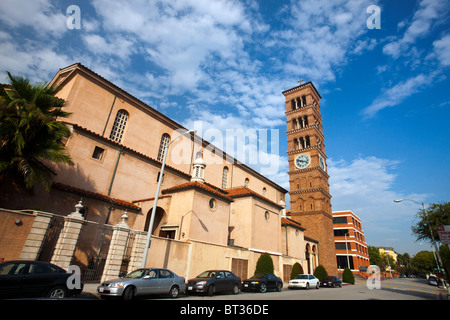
36,236
68,238
117,249
137,253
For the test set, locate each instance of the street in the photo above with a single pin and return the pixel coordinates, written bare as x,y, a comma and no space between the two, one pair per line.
391,289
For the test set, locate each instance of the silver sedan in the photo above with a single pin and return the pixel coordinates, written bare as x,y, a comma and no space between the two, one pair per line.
143,282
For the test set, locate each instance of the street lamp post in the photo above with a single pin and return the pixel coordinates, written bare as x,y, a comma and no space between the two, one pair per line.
441,265
155,204
346,247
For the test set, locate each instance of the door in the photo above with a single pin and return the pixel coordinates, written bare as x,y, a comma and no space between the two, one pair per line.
11,279
166,279
38,279
220,282
271,281
149,284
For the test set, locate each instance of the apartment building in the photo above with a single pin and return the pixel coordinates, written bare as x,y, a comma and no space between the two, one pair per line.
350,242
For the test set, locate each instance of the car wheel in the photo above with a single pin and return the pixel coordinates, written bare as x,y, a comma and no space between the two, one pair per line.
57,292
235,289
210,290
307,286
262,288
317,285
128,294
279,287
174,292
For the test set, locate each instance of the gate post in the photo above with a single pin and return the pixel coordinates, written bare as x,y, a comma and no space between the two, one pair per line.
117,249
68,238
36,236
137,252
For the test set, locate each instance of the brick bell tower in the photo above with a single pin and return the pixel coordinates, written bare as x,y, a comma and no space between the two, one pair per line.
309,188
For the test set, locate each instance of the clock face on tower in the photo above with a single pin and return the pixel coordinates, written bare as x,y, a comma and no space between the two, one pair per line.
322,163
302,161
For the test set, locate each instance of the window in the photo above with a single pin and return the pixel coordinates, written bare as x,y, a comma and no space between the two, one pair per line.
98,153
212,204
342,246
340,233
165,139
224,177
340,220
246,182
119,126
266,215
264,191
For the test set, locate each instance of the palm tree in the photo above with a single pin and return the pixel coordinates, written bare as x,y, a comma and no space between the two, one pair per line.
30,135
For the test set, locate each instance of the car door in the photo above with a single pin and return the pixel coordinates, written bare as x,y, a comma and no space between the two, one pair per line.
166,279
38,279
220,282
149,284
11,279
271,281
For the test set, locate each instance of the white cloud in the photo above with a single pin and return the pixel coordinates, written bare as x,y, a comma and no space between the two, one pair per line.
322,35
41,15
442,50
365,185
398,93
424,18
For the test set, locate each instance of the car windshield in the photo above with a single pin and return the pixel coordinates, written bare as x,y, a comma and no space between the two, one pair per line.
302,276
136,274
207,274
328,279
258,276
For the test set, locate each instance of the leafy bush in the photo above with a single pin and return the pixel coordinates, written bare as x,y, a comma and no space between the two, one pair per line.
320,272
296,269
348,277
264,264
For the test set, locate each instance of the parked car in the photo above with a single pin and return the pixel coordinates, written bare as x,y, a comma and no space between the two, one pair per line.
262,282
143,281
331,282
432,280
304,281
213,281
24,279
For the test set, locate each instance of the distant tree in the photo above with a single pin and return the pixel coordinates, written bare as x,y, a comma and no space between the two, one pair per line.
320,272
30,135
264,264
374,255
296,270
424,262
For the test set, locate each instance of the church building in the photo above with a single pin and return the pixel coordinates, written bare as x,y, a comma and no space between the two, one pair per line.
218,214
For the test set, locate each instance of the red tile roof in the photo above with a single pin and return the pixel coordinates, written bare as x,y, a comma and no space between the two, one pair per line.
95,195
239,192
292,223
202,186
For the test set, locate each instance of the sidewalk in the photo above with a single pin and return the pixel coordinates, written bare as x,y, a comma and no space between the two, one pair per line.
90,291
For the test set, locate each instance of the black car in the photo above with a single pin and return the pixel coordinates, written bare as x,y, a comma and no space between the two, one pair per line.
213,281
331,282
21,279
262,282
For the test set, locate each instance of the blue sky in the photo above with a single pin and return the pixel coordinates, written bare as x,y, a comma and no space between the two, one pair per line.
385,92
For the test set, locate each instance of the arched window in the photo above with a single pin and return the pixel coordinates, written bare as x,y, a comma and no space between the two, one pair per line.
165,139
119,126
264,191
246,182
224,177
